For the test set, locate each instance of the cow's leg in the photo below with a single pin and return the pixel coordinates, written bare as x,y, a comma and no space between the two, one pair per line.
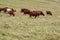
43,14
51,14
0,10
13,14
24,13
38,16
10,14
30,16
35,16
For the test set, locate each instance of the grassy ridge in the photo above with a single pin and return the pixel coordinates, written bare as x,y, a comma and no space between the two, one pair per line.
21,27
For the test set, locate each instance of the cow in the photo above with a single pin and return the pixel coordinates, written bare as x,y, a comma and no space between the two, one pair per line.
25,11
48,13
36,13
32,13
11,11
3,9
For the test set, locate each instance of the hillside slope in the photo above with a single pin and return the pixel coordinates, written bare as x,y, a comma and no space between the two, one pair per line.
21,27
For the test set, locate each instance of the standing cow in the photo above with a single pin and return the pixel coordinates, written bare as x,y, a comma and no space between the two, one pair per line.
32,13
11,11
3,9
36,13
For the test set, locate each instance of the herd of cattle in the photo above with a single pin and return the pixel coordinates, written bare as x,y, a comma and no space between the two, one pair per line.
11,11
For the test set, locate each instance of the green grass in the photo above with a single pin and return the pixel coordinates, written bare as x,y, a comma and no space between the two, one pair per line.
21,27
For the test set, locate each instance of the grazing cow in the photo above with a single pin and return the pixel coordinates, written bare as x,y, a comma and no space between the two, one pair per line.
36,13
3,9
48,13
11,11
25,11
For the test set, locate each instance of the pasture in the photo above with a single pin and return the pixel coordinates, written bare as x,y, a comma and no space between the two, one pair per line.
21,27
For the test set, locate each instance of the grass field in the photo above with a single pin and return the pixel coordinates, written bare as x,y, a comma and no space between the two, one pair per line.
21,27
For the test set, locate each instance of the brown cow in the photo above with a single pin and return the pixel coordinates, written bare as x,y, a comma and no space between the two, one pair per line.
3,9
36,13
11,11
32,13
48,13
25,11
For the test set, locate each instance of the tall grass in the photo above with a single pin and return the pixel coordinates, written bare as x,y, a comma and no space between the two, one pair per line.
21,27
